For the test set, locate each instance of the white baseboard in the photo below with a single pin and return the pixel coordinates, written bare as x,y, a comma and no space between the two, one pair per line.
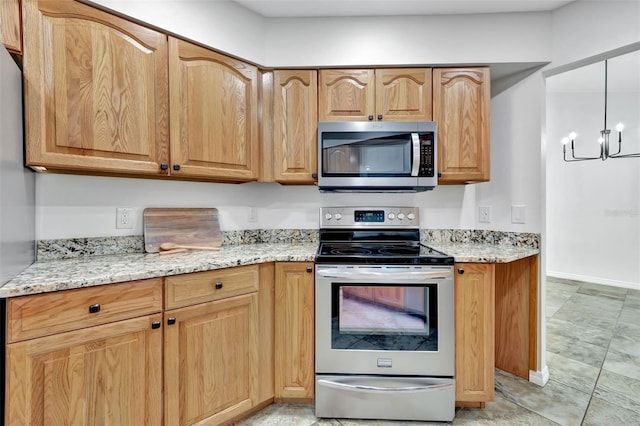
539,378
594,280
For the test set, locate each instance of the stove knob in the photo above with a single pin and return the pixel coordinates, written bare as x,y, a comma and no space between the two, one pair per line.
391,216
338,216
327,216
400,216
411,216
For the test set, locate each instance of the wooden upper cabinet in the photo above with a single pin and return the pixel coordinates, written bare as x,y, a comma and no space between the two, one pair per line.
10,25
96,95
295,126
394,94
214,114
461,107
403,94
346,95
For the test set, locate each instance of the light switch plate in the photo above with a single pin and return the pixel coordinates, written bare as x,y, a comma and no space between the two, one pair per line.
518,213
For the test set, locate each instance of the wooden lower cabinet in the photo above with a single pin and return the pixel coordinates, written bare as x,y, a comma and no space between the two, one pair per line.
107,374
211,361
475,333
294,331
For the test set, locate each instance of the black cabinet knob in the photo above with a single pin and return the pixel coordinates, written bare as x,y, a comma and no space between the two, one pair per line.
309,269
371,118
156,324
176,167
94,308
171,320
461,270
314,175
379,116
439,174
218,285
164,166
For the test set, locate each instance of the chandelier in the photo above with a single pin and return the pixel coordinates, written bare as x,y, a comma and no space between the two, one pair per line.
603,139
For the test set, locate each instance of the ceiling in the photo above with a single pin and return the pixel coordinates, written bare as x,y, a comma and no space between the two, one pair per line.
325,8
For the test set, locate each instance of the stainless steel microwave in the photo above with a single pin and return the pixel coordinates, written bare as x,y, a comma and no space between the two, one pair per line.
364,156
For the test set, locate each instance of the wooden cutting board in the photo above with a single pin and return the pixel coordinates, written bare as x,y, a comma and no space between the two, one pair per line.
186,226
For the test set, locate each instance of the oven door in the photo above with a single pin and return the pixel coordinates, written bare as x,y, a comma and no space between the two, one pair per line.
390,319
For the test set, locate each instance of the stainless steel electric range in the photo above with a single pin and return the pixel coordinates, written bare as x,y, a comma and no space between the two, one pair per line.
384,318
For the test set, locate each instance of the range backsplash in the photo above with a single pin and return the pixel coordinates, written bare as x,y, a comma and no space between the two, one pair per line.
99,246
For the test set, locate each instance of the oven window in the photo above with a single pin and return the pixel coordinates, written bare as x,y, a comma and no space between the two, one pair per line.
384,317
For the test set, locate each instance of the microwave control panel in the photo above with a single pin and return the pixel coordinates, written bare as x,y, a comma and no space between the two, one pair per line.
427,155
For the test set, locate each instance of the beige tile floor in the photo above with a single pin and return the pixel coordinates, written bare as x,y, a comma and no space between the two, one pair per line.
593,356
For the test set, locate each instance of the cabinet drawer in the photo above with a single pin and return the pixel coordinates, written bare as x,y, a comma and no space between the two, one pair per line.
199,287
50,313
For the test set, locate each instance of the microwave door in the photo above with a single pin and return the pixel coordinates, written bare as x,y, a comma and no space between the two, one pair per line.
374,155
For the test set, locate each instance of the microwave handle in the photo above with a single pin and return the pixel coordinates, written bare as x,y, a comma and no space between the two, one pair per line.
415,143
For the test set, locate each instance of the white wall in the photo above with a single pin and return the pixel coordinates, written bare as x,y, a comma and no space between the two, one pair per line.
77,206
587,27
398,40
515,157
70,206
592,208
593,220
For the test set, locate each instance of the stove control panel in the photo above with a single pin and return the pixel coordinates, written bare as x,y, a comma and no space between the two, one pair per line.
369,217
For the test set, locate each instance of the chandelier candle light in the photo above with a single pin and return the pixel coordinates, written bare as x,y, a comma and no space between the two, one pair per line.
603,140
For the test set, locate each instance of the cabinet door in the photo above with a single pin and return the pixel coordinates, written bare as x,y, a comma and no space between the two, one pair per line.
96,95
294,331
10,34
390,296
461,109
214,114
346,95
295,126
109,374
403,94
475,331
211,361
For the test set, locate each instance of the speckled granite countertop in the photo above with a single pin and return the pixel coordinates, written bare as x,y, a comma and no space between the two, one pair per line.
484,253
65,274
42,277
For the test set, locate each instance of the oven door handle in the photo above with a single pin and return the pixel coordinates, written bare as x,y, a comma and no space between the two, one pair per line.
361,275
368,388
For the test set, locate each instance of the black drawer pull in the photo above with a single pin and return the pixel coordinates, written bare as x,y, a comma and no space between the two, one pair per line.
309,269
94,308
218,285
176,167
461,270
379,116
371,118
171,320
156,324
164,166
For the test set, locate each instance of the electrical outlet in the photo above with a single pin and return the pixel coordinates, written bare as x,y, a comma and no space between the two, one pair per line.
124,218
484,214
